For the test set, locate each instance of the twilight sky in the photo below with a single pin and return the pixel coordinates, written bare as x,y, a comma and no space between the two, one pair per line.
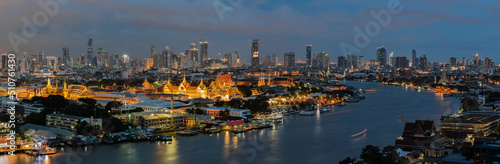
440,29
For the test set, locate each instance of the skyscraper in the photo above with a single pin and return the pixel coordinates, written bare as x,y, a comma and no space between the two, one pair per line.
488,63
273,60
153,50
477,60
203,53
267,61
90,51
289,60
401,62
193,55
65,56
414,58
103,60
255,53
382,56
453,62
342,62
308,55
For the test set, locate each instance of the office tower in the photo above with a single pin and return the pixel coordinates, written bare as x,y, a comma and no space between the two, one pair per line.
382,56
235,59
414,58
192,54
90,52
401,62
488,63
153,50
255,53
273,60
423,62
289,60
453,62
65,57
203,53
391,59
477,60
4,60
103,60
342,62
308,55
267,61
464,61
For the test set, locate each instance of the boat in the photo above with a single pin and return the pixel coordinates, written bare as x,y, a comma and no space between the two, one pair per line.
307,113
186,133
325,109
41,151
360,133
401,117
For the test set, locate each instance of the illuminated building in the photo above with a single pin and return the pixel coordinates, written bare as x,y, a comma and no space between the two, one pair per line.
470,124
224,88
308,55
261,82
203,53
90,52
289,60
186,88
255,53
79,91
70,122
149,63
65,56
382,56
281,81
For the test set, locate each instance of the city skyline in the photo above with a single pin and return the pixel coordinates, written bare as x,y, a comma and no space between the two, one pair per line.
130,29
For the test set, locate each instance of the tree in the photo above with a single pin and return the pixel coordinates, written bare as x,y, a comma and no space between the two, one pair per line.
83,128
245,90
198,111
36,118
223,114
371,154
347,160
189,111
470,103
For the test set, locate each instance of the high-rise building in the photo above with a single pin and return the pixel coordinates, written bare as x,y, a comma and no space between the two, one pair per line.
423,62
4,60
414,58
203,53
90,52
453,62
308,55
477,60
273,60
391,59
267,61
342,62
103,60
401,62
153,50
65,56
255,53
488,63
289,60
192,53
382,56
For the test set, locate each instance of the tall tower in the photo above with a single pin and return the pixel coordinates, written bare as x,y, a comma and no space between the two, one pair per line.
193,55
153,50
382,56
255,53
203,53
414,62
308,55
65,56
289,60
90,51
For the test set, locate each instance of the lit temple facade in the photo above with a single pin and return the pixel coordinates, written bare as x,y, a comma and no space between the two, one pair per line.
224,88
186,89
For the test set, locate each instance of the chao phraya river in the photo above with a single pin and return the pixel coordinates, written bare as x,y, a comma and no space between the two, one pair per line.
324,138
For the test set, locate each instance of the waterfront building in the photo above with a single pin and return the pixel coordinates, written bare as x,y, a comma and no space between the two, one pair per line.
473,124
192,120
157,105
156,120
215,112
224,88
45,132
420,135
69,122
185,88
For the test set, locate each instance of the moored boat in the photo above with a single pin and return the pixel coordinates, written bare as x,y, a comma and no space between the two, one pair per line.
360,133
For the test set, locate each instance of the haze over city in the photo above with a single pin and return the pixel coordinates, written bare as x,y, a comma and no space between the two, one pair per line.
130,27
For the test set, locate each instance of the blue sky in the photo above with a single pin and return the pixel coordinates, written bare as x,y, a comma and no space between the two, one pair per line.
440,29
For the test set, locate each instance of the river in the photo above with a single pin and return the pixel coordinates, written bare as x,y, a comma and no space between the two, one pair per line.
324,138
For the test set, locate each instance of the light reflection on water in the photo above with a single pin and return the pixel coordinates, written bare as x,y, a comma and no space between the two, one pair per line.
324,138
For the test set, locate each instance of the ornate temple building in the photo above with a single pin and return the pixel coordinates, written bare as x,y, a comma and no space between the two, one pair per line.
281,81
224,88
185,88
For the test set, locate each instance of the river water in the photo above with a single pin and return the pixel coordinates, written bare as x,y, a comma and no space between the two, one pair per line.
324,138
